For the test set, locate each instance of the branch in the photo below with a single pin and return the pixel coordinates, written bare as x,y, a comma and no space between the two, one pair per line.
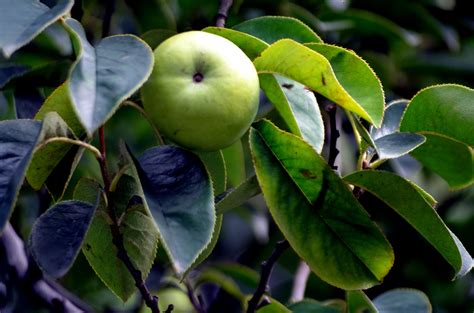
20,269
266,272
300,281
334,135
117,237
222,12
194,301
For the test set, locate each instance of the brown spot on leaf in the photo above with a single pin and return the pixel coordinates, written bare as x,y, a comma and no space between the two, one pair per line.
308,174
287,86
88,247
323,80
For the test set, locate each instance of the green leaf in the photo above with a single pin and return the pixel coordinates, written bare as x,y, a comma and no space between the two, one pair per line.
250,45
357,78
401,196
297,106
274,307
312,306
238,196
391,120
317,212
445,115
314,70
57,235
273,28
358,302
49,155
403,300
104,76
60,103
139,235
178,194
18,139
235,163
225,282
23,20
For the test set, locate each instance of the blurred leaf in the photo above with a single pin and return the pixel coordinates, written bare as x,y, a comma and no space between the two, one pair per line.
445,116
401,196
312,306
22,20
315,71
274,307
297,106
18,139
210,275
152,14
358,302
140,240
102,77
155,37
235,163
273,28
245,276
250,45
403,300
178,194
317,212
57,235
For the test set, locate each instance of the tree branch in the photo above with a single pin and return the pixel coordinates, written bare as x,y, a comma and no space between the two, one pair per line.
266,272
300,281
222,12
20,268
117,237
331,109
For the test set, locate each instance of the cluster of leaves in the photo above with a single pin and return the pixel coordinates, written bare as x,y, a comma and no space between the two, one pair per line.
175,199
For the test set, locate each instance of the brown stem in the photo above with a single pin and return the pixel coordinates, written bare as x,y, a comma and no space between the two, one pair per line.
192,297
334,135
222,12
266,272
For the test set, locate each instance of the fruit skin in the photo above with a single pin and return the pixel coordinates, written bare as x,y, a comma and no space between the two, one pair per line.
203,93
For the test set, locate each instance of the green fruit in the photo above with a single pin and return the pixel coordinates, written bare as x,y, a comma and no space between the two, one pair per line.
203,93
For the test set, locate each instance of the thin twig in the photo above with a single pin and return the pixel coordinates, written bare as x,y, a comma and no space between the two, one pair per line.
331,109
300,281
192,297
266,272
169,309
223,12
117,237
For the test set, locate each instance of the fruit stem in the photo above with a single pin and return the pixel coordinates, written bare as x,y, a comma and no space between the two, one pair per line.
222,12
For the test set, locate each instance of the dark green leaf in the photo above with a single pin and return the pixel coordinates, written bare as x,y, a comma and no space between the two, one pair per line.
358,302
57,235
297,106
156,36
235,163
317,212
178,193
407,201
403,300
18,138
104,76
274,307
274,28
312,306
21,21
